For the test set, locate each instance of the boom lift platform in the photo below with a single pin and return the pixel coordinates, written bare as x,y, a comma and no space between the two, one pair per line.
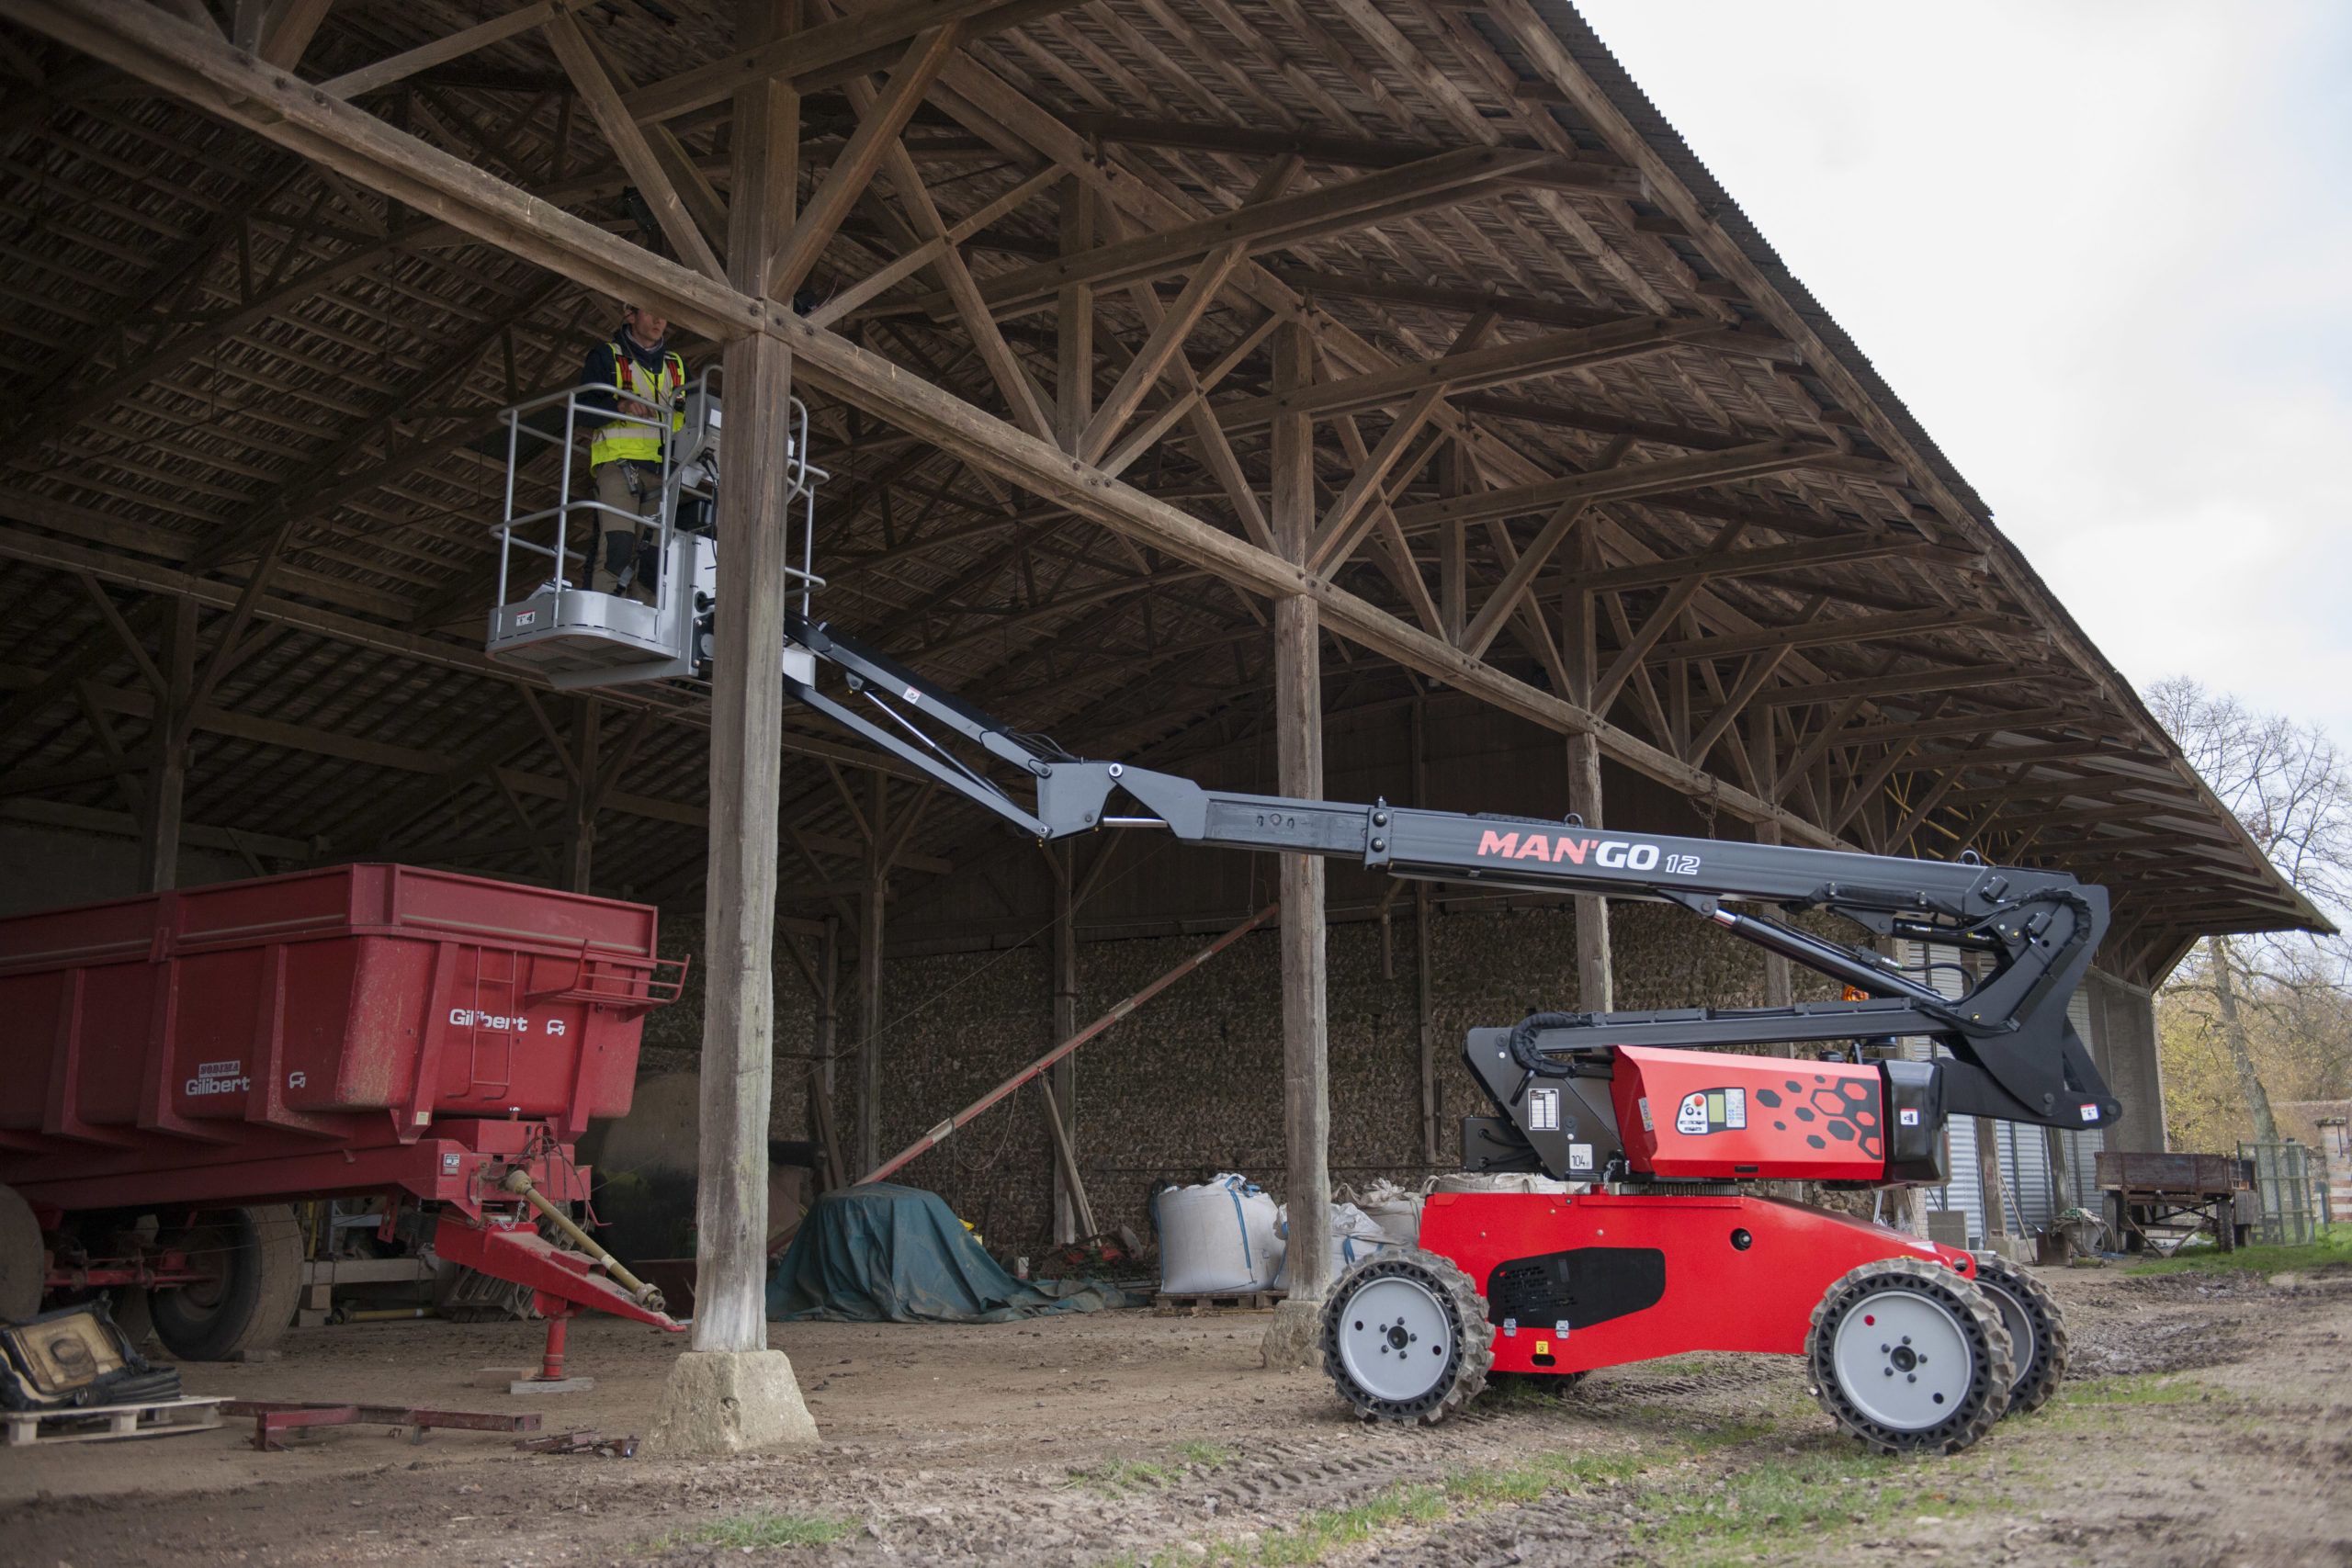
1911,1345
577,637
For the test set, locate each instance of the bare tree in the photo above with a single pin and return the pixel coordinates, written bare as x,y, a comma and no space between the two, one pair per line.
2290,785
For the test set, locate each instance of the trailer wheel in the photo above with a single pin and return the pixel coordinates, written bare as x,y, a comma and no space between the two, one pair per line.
23,1263
254,1256
1405,1337
1909,1357
2038,1342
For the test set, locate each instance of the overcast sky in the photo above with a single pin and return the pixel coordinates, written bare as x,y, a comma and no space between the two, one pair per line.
2104,252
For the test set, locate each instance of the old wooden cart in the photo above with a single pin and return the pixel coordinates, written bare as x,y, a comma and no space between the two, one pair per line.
2182,1193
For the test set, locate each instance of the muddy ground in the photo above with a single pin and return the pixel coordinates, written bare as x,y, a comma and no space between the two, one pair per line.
2209,1422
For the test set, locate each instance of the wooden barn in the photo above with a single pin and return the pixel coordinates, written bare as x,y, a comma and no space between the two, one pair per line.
1321,397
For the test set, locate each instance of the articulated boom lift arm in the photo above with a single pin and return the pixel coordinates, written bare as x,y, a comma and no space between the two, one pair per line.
2015,1057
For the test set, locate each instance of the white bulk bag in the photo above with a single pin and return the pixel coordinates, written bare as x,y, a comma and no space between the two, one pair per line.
1397,1212
1509,1181
1217,1237
1354,1238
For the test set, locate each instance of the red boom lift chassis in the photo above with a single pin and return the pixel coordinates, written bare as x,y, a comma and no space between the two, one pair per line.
1911,1345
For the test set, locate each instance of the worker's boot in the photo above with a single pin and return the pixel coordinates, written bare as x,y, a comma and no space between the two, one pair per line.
647,573
616,553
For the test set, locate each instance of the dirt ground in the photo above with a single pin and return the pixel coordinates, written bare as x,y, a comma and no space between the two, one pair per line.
2208,1422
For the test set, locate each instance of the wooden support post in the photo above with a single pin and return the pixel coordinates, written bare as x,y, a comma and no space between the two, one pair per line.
1994,1192
159,828
823,1093
1595,986
1452,550
1298,746
872,896
1061,1078
747,706
1763,755
1074,329
1423,977
731,1393
588,723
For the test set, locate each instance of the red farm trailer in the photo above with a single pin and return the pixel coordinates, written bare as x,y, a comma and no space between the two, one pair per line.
203,1058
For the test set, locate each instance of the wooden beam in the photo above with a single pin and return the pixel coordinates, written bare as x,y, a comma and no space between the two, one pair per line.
1769,559
1818,634
181,59
1624,481
1176,322
1547,355
878,132
629,143
465,41
1513,591
1753,338
1760,669
288,30
829,53
1334,208
1908,682
930,252
1357,152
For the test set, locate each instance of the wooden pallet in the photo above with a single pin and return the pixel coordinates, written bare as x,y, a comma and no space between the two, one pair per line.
1209,1301
162,1418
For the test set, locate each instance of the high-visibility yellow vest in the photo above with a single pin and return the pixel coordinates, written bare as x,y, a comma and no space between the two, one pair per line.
638,442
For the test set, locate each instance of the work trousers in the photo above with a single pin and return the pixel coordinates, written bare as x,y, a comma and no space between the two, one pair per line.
615,548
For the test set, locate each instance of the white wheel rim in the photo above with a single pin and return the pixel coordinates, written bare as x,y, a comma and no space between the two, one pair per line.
1396,1339
2018,1322
1903,1360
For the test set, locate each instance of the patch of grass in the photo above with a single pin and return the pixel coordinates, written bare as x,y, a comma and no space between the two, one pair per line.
1319,1531
1115,1477
1200,1451
770,1529
1776,1505
2113,1401
2147,1388
2334,1245
1533,1478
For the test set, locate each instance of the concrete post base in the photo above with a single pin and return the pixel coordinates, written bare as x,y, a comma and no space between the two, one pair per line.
1293,1342
730,1402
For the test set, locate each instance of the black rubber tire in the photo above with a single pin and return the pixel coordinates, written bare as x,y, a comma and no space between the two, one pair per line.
1988,1391
1469,1357
2043,1353
23,1263
249,1301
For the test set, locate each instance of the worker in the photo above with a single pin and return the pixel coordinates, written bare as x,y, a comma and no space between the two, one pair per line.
625,456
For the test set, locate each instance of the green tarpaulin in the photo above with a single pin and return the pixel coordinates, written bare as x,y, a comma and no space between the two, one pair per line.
880,1253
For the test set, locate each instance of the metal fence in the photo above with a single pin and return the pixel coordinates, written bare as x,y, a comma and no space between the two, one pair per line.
2282,1180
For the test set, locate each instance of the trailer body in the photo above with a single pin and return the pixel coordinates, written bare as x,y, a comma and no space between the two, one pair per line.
362,1029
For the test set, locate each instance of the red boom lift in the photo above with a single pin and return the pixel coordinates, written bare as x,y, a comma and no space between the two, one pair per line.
1911,1345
